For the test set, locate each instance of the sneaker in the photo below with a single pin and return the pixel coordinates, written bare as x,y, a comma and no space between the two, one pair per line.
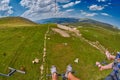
69,69
53,69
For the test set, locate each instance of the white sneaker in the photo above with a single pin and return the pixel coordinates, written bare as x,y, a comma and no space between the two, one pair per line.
53,69
69,69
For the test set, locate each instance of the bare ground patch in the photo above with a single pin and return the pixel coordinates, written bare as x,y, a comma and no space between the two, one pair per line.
61,32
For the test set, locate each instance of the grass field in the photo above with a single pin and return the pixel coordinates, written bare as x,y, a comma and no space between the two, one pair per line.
61,55
21,45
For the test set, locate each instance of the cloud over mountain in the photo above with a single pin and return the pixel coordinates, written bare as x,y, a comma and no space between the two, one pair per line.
105,14
96,7
88,14
40,7
101,0
71,4
5,8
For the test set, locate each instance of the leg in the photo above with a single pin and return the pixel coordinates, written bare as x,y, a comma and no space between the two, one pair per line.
69,74
72,77
109,66
54,73
109,56
54,76
109,78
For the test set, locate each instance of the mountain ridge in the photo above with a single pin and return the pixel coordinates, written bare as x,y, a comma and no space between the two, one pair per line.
77,21
13,21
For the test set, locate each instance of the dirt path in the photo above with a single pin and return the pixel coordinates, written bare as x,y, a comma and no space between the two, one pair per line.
96,45
44,56
61,32
73,30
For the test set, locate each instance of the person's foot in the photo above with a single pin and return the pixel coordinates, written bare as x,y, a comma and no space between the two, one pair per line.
53,69
68,69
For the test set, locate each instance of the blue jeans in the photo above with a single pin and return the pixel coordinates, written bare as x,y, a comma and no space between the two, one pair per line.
109,77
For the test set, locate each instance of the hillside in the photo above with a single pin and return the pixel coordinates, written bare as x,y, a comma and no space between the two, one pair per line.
78,21
93,23
15,21
57,45
57,20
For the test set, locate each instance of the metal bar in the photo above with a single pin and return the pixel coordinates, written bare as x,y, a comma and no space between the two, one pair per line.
17,70
4,75
20,71
11,72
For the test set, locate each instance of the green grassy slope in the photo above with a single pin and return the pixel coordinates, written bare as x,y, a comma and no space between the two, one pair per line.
98,24
110,39
60,55
15,22
20,45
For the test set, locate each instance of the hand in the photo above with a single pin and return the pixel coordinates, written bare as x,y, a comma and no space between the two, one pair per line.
99,65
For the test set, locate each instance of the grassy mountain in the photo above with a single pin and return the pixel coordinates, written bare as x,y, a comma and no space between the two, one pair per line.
21,45
13,21
74,22
58,20
93,23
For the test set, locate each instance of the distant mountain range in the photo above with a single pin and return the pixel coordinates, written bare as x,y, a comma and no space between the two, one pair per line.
70,20
75,21
58,20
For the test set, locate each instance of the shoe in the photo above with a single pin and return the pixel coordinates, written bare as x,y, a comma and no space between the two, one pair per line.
53,69
69,69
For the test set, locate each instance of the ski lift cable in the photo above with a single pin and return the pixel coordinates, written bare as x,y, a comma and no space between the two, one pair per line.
56,9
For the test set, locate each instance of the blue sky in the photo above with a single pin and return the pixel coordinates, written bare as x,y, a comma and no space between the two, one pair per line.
102,10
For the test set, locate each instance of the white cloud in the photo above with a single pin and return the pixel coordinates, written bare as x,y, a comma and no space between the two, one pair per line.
83,12
105,14
109,3
69,10
77,2
39,8
10,11
68,5
91,14
71,4
63,1
5,8
88,14
96,7
101,0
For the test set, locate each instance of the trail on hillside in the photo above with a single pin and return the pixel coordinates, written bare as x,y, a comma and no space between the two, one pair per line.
96,45
44,56
61,32
77,33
